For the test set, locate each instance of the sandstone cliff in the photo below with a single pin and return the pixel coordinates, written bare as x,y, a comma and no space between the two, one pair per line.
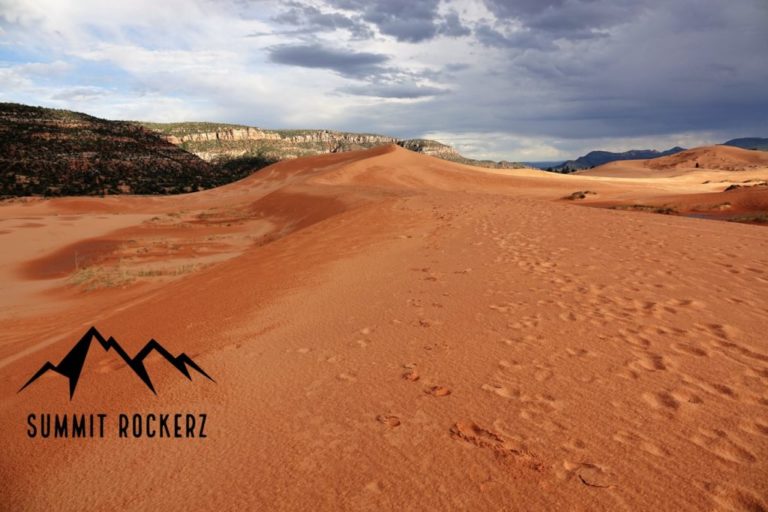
222,143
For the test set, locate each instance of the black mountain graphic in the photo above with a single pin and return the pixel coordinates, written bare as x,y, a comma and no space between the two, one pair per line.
72,364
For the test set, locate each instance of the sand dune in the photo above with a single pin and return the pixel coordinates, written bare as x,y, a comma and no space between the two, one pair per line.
389,331
724,158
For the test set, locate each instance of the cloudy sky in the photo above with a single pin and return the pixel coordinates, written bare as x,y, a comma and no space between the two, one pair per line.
513,79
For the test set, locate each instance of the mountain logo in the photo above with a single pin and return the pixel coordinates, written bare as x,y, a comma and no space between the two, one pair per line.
72,364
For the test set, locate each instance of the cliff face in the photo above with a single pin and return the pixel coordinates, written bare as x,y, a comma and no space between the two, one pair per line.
58,152
232,134
431,148
220,143
228,144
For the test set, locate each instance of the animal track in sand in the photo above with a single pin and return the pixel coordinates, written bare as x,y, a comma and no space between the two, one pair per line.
575,444
501,308
500,390
578,352
437,391
347,377
389,420
662,400
755,427
722,331
543,374
645,444
504,449
719,443
427,322
570,316
685,348
509,365
589,474
729,497
411,374
649,361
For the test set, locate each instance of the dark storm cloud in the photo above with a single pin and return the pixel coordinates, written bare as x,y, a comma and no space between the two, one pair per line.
561,71
344,62
522,39
410,21
567,19
565,69
406,20
451,26
653,69
316,20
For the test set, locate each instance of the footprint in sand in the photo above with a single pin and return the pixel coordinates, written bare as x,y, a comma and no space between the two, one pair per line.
685,348
411,374
645,444
577,352
389,420
662,400
755,428
438,391
729,497
500,390
588,474
720,444
650,362
505,449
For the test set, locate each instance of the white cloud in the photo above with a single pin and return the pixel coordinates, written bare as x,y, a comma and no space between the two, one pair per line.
668,74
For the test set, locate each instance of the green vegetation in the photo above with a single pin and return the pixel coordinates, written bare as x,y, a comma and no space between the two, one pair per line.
759,218
665,210
581,194
56,153
98,277
187,127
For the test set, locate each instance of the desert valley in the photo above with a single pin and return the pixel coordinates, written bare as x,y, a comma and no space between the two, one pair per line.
388,330
383,255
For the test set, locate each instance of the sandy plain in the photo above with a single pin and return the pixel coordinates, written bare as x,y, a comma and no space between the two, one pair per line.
388,331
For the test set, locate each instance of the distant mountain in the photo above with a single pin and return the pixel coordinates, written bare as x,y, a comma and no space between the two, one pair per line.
595,158
547,164
758,143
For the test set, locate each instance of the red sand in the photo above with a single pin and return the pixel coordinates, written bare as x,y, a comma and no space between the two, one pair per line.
390,331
